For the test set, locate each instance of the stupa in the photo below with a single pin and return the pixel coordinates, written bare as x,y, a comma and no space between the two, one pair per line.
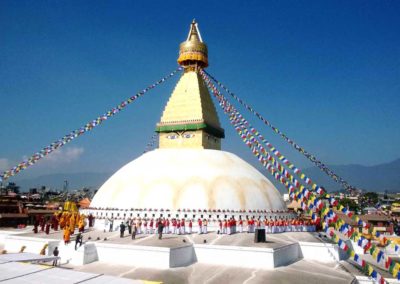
188,172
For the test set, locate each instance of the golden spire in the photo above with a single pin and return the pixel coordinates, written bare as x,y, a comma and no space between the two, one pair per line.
193,52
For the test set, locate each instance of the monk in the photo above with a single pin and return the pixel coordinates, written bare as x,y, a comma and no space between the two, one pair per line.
81,224
91,218
47,229
72,223
67,236
62,221
42,224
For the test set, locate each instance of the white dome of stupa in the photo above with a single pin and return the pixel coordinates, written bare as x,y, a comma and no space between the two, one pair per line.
188,179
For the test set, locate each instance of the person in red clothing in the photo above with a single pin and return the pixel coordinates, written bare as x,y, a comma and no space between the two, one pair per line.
234,225
225,229
139,226
151,226
174,226
281,225
190,226
268,228
301,225
183,231
178,227
273,226
220,226
240,225
204,228
167,231
258,223
145,226
200,224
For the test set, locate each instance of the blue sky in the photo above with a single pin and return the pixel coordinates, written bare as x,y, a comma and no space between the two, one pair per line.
327,73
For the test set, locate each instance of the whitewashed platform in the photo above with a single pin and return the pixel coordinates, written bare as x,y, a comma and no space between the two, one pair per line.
170,253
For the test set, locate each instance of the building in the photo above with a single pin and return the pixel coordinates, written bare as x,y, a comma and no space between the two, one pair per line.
12,212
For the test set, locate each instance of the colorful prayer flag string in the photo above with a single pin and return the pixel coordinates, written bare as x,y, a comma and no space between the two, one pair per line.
151,143
86,128
280,158
304,195
300,149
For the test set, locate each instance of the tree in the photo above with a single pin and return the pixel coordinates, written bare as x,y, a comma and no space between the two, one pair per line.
370,198
12,187
351,204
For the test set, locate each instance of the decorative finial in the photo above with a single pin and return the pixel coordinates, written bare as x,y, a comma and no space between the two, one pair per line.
193,52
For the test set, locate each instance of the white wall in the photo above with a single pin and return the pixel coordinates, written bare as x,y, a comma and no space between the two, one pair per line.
319,251
143,256
235,256
13,243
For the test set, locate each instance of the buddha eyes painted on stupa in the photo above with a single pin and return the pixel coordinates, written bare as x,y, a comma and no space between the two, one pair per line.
177,136
172,137
188,135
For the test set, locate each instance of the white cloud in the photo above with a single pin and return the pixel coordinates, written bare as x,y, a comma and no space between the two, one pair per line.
64,155
54,160
4,164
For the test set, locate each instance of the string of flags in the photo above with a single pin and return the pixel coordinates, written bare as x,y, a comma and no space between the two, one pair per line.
300,149
151,143
308,199
262,154
331,220
376,253
84,129
244,134
367,268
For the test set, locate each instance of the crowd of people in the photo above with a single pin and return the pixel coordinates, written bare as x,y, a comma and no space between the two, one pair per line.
67,221
229,226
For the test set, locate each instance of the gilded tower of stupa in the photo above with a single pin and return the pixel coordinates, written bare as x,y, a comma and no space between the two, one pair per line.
190,119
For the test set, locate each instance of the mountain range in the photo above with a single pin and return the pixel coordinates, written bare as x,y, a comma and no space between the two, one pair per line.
370,178
376,178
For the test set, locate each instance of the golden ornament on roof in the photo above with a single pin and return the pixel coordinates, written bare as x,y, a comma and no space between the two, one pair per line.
193,51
